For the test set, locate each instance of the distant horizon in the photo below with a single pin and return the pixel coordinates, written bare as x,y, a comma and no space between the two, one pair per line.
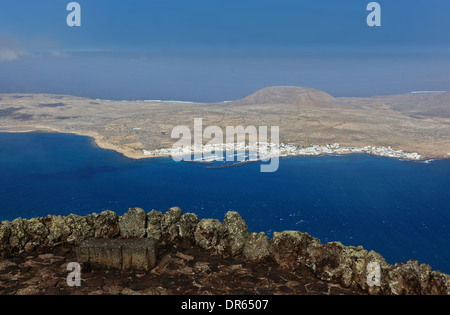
222,101
213,51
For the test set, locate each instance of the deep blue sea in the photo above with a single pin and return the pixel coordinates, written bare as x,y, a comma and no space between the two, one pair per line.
400,209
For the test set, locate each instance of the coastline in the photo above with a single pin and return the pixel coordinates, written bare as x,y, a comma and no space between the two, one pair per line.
167,152
97,139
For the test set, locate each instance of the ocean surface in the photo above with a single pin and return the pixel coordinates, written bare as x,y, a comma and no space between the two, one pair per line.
400,209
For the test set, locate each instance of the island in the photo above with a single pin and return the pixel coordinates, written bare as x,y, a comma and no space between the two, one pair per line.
410,126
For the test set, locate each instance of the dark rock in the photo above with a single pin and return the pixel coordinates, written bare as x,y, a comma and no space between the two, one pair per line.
439,283
154,219
105,224
36,232
17,237
173,226
326,261
418,279
133,223
257,248
5,232
187,225
172,216
79,227
289,248
58,229
169,227
346,265
208,235
236,232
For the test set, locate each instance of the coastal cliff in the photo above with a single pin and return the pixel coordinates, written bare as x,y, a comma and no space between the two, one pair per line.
290,251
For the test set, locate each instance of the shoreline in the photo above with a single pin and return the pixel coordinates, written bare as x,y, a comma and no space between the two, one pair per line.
165,152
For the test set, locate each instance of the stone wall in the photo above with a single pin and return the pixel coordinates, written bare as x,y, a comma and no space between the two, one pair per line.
333,262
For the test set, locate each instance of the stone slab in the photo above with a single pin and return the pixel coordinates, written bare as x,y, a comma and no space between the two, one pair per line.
117,254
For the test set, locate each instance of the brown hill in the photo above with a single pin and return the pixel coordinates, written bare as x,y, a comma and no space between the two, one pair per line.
291,95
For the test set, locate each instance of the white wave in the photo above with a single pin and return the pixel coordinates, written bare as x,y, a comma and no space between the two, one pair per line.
429,161
426,92
145,101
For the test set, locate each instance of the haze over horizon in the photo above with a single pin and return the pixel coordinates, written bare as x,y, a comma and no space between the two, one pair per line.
212,51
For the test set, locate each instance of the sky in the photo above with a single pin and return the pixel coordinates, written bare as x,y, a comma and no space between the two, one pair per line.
217,50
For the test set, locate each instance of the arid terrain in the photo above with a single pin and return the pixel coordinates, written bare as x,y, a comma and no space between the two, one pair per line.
411,122
179,272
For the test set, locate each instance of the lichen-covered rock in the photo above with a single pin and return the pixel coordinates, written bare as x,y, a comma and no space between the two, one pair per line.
208,235
5,232
348,266
169,227
172,216
236,233
105,224
413,278
18,237
36,232
257,247
58,230
289,248
327,262
154,219
187,225
439,283
132,224
79,227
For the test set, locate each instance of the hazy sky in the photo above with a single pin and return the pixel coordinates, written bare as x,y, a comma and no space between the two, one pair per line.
211,50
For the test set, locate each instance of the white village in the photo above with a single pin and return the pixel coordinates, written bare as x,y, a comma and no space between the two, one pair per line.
265,150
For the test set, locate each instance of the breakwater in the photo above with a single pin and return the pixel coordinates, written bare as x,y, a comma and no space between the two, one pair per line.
231,165
333,262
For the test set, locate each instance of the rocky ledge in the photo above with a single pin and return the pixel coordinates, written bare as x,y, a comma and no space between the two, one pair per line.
199,256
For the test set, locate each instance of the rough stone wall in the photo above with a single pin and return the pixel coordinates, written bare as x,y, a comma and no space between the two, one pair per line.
333,262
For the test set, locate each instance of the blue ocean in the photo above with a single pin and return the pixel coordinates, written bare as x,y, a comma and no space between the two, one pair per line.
400,209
